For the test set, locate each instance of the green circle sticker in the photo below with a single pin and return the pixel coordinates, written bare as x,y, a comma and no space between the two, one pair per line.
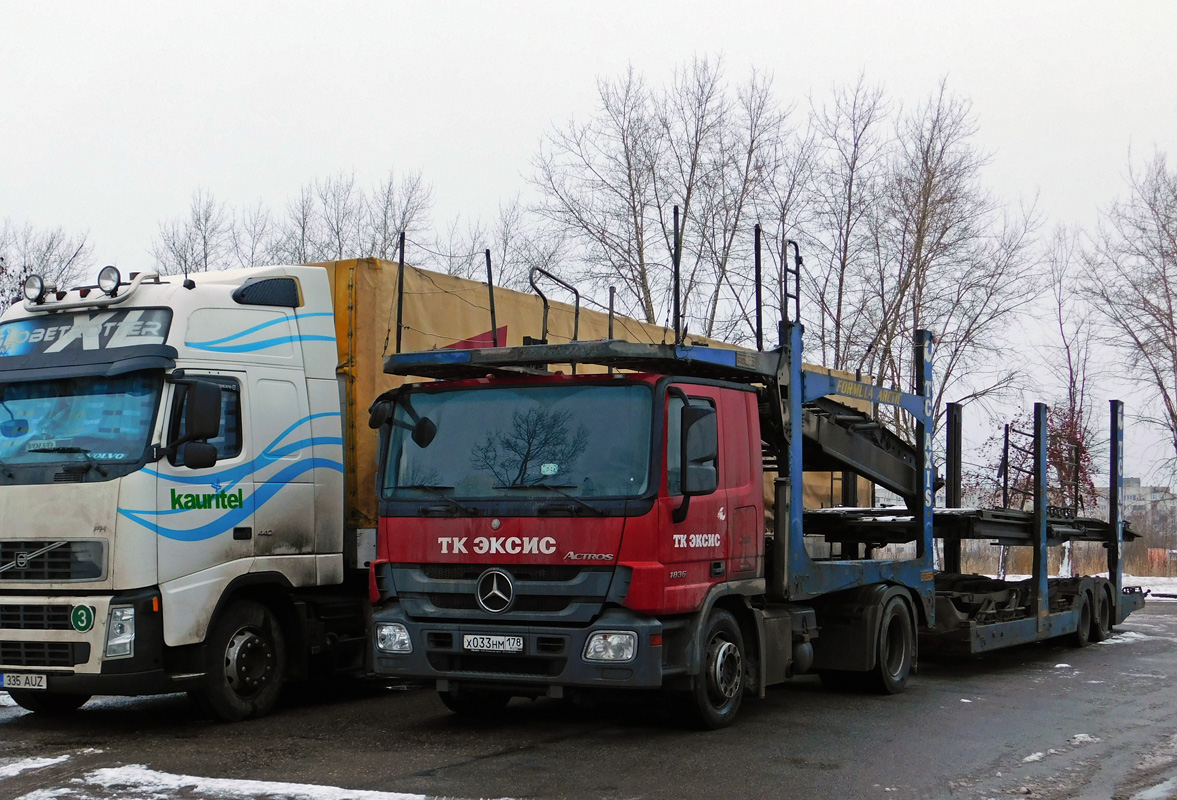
82,618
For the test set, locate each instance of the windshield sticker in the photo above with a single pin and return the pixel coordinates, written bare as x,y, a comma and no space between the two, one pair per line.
549,469
105,330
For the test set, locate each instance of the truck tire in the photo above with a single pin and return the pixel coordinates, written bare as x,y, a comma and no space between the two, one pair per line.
50,703
474,704
246,663
1082,634
895,649
719,687
1101,624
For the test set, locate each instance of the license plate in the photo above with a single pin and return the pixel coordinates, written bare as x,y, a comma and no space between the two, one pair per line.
21,681
493,644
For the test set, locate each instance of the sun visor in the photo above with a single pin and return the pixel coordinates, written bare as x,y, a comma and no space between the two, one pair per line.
76,364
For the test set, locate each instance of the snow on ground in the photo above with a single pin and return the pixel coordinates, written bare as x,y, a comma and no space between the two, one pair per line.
137,782
26,764
1156,588
140,781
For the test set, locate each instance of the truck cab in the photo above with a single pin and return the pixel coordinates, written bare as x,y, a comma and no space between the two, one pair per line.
572,523
169,477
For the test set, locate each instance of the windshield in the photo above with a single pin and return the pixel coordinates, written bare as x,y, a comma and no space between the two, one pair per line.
89,419
583,440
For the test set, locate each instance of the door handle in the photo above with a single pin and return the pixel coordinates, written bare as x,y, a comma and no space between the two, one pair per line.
242,533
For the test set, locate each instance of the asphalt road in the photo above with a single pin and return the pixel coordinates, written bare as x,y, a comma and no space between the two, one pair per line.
1045,721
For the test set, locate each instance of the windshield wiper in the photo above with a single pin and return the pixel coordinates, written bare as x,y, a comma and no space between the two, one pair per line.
90,460
440,492
7,470
558,489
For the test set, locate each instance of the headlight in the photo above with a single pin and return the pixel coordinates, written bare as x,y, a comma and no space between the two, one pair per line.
34,288
120,632
109,280
611,646
393,637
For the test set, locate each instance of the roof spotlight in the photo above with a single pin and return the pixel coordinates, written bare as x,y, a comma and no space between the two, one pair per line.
34,289
109,280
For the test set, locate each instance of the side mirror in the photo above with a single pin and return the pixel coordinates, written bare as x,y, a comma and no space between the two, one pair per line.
202,411
700,450
198,455
378,414
423,432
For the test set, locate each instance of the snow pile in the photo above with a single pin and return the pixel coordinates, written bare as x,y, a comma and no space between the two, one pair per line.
17,767
138,779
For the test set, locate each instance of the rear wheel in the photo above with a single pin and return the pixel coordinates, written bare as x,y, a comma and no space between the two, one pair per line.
1082,633
51,703
474,703
246,663
719,688
1101,624
895,650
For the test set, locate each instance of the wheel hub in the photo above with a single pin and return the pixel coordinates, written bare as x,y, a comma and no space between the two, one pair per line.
249,662
727,669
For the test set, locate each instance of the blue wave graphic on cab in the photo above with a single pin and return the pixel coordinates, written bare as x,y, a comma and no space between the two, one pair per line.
233,344
226,479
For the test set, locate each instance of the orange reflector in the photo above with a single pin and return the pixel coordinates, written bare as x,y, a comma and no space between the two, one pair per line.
655,640
155,604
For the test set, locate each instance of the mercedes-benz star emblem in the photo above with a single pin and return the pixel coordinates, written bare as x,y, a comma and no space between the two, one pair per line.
494,591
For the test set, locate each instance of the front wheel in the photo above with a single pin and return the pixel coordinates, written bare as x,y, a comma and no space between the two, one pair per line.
895,649
719,687
50,703
246,663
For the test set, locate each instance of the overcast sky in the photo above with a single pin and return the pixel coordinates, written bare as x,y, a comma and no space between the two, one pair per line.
111,114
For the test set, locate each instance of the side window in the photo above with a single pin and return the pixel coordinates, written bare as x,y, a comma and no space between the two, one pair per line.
228,443
674,440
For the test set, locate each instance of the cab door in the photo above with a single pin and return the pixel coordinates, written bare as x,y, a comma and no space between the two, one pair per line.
696,551
206,515
284,507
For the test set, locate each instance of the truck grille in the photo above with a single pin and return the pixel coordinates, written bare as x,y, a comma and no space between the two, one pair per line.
50,561
35,618
521,572
525,603
44,654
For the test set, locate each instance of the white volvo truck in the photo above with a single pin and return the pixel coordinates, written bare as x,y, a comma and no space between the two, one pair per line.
174,485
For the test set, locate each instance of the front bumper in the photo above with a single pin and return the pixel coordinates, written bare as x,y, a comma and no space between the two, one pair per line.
38,636
552,656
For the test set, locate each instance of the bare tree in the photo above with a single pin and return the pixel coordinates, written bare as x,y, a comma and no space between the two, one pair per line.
948,258
396,206
298,233
200,242
253,236
849,179
610,185
342,208
1131,280
597,182
54,254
